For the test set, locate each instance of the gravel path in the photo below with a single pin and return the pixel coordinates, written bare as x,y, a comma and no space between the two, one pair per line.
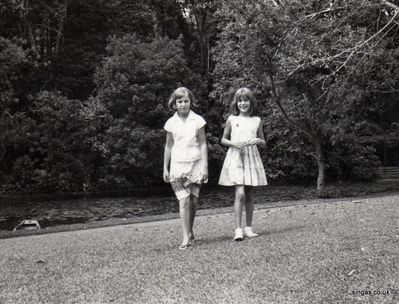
307,253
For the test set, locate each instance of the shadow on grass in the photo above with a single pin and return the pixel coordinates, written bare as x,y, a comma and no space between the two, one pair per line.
280,231
261,234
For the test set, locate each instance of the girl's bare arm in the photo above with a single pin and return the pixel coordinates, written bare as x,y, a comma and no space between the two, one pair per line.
260,140
204,152
166,156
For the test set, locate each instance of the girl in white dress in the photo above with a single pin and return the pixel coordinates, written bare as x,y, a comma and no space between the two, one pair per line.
243,166
185,158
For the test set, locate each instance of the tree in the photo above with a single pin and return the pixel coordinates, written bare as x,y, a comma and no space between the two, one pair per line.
304,53
66,39
133,83
376,112
202,15
11,120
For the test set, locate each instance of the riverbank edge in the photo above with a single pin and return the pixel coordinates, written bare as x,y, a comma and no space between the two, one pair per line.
168,216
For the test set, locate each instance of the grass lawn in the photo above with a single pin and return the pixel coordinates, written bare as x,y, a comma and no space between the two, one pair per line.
320,253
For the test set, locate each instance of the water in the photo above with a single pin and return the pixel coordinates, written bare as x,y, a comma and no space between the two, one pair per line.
63,212
52,212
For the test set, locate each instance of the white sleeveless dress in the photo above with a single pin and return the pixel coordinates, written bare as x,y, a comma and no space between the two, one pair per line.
243,166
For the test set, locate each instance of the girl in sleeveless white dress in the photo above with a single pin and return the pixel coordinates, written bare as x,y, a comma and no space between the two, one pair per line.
243,166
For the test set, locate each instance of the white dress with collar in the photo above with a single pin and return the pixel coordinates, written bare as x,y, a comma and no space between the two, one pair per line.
186,165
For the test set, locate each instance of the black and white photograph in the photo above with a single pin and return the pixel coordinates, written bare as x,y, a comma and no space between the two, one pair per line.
199,151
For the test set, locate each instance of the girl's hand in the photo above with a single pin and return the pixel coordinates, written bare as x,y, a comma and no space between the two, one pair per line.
240,144
204,178
254,141
166,176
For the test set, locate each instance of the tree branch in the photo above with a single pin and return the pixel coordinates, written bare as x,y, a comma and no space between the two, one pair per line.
61,27
311,16
276,99
349,50
390,4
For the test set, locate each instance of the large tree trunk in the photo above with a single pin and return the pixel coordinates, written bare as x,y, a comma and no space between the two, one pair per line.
60,31
201,30
321,165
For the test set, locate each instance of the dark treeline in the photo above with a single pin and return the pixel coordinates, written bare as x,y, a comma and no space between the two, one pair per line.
84,86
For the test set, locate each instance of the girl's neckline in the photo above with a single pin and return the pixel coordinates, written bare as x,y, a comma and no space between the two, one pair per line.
183,119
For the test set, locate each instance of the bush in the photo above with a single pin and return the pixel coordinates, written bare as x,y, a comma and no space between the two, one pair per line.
133,84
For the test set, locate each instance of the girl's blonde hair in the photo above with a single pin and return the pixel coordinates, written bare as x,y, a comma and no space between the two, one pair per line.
244,92
179,93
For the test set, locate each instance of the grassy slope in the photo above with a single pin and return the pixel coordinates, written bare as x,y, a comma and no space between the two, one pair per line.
304,254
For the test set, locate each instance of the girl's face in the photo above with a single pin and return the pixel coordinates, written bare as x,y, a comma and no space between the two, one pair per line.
244,105
183,105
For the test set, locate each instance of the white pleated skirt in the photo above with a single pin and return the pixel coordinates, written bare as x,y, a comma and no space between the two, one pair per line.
243,167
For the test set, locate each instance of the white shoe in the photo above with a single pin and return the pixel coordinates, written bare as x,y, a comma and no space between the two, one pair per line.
238,235
249,233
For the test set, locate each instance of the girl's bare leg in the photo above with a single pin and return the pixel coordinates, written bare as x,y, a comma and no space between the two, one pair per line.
249,205
249,211
193,211
184,209
238,205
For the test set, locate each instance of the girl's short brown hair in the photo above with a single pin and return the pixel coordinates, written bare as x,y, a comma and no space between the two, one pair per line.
179,93
244,92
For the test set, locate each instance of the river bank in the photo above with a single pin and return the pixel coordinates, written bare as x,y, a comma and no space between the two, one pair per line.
114,210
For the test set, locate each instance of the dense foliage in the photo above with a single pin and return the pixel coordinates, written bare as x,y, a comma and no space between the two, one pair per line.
131,85
84,86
